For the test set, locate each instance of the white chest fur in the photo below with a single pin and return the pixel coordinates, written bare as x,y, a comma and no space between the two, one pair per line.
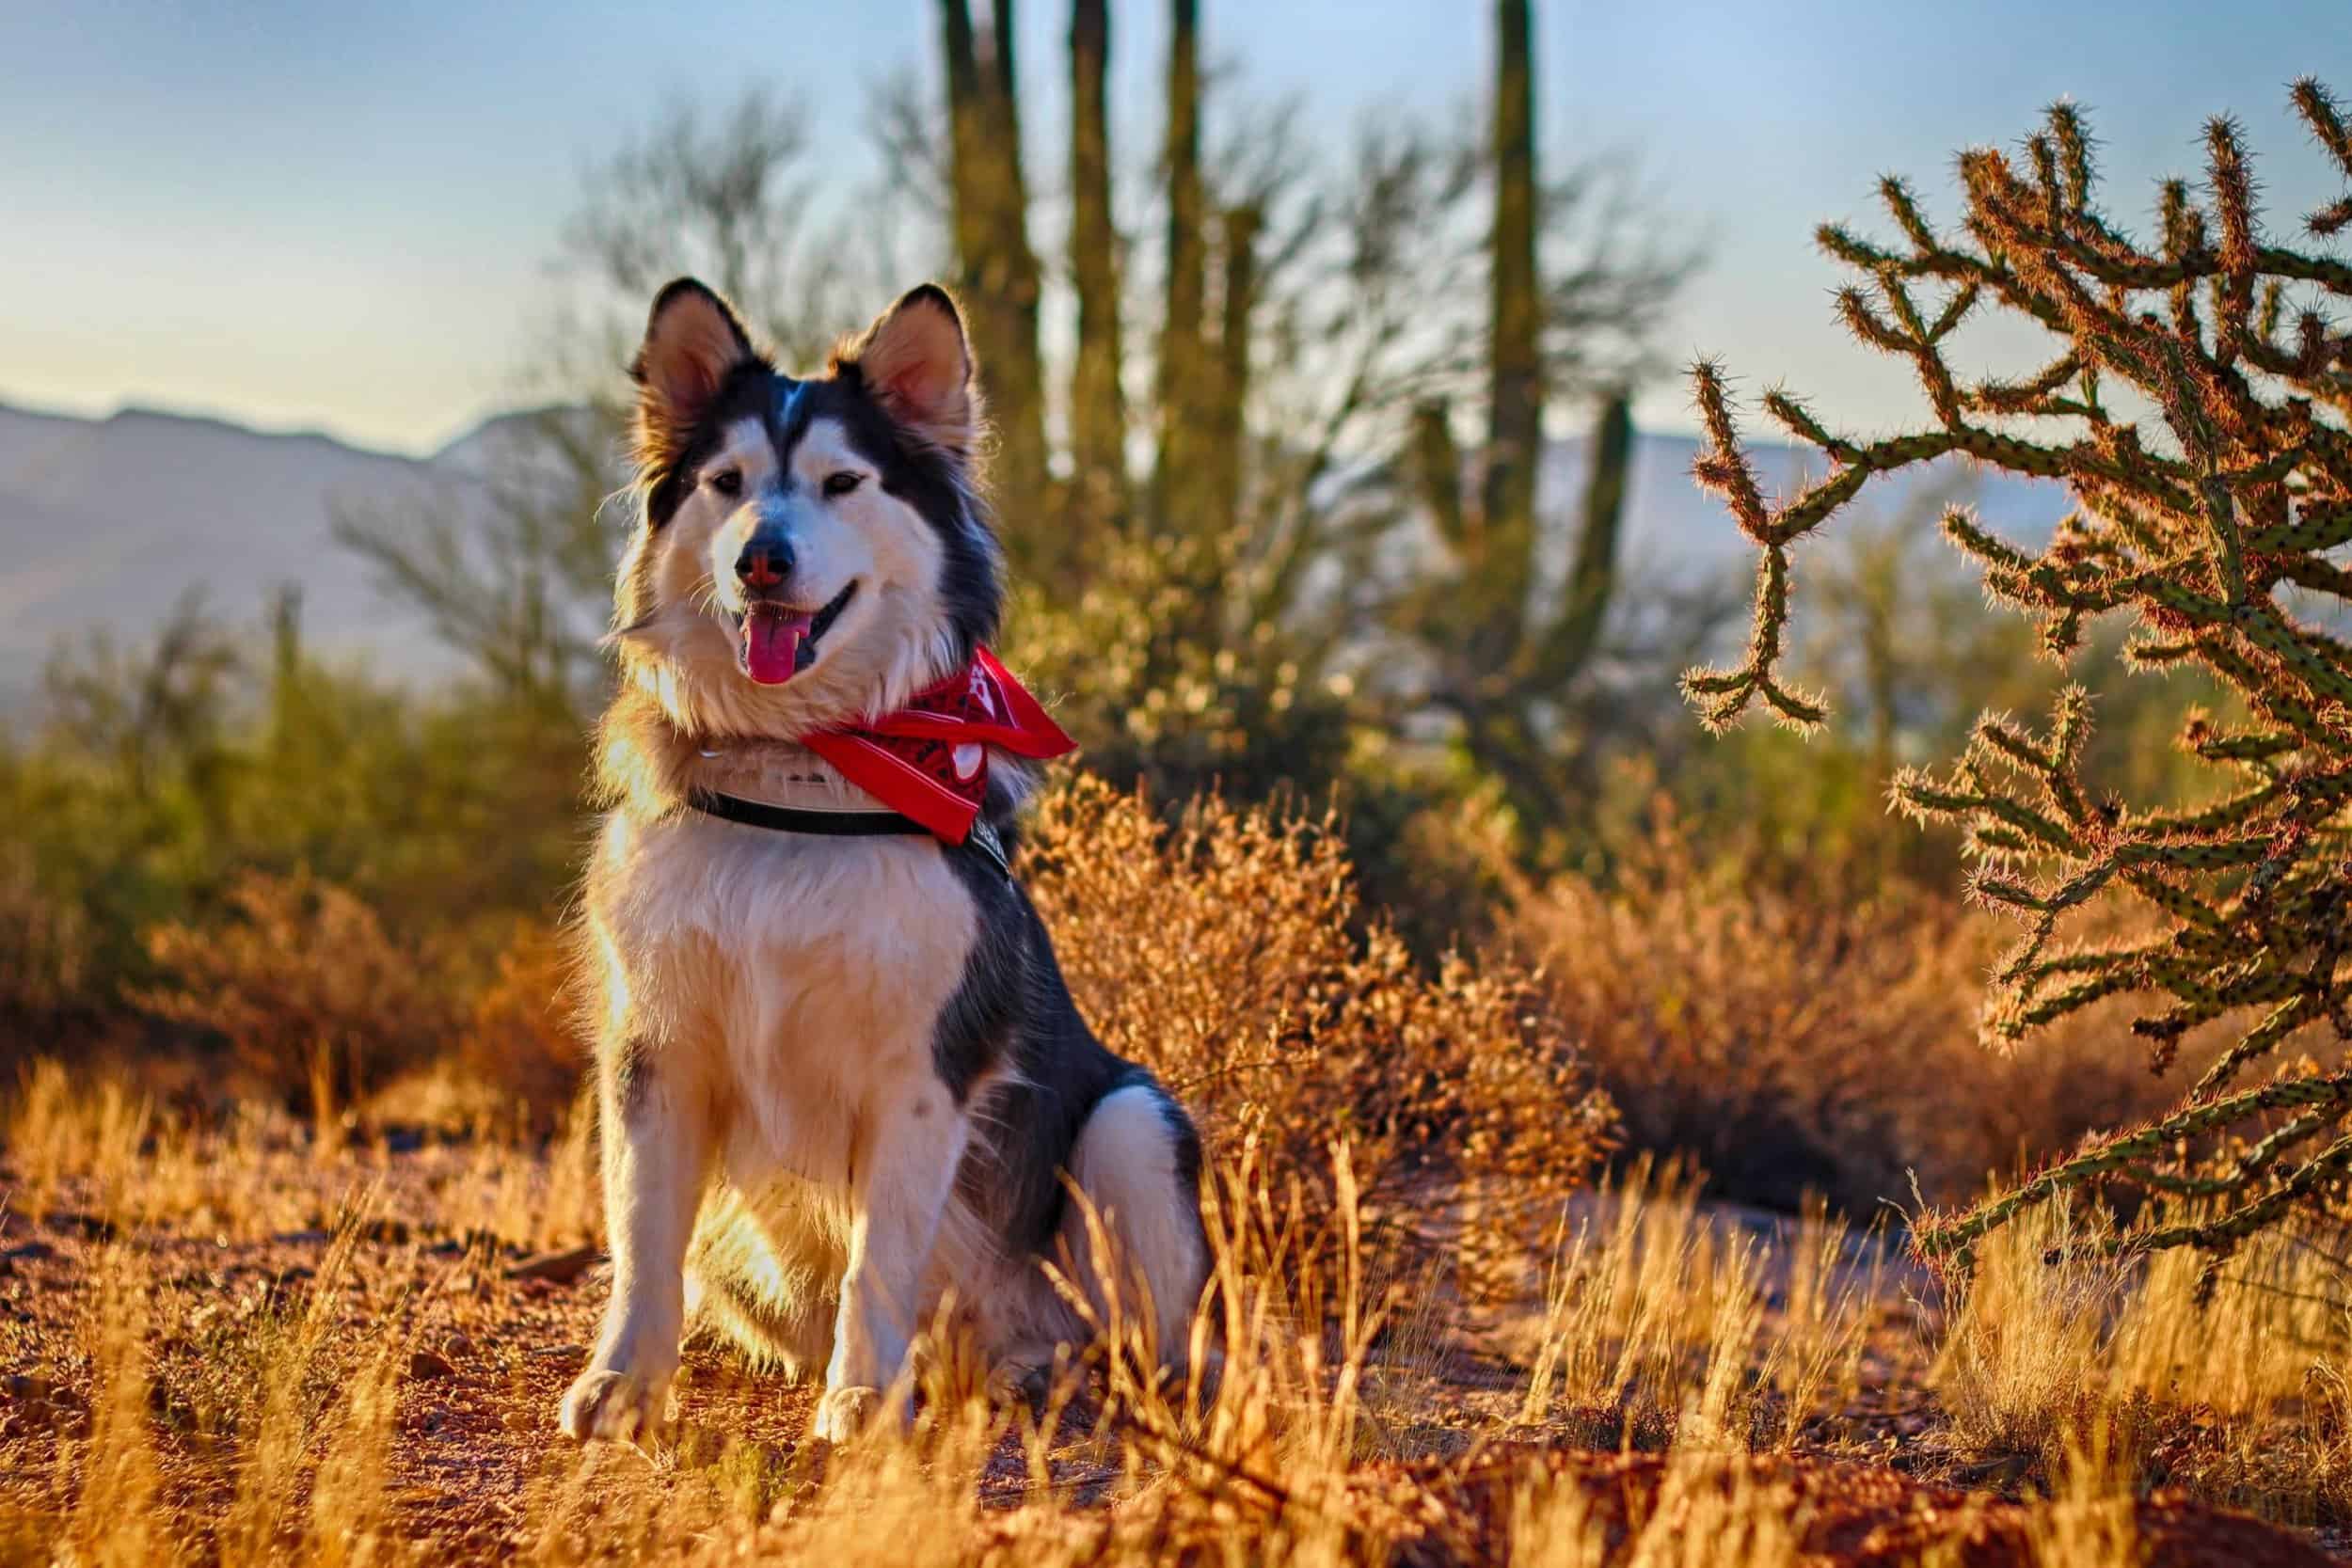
797,980
779,774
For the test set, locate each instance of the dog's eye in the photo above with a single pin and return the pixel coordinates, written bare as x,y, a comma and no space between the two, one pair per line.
842,483
727,482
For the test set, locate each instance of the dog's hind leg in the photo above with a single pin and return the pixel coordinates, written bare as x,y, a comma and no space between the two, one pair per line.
1137,1162
657,1145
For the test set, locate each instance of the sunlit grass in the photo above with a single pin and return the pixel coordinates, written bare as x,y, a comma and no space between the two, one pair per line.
1679,1387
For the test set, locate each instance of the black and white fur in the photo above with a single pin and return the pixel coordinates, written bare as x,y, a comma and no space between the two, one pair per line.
840,1078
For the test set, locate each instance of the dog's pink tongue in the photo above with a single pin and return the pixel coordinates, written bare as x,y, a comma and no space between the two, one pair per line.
772,644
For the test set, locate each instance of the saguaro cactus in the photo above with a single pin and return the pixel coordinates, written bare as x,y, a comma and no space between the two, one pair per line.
1184,383
997,269
1515,364
1502,654
2209,532
1098,409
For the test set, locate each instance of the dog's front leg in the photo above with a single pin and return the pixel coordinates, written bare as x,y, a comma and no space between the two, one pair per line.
657,1140
904,1174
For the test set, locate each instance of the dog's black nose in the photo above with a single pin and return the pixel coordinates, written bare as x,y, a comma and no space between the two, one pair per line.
764,563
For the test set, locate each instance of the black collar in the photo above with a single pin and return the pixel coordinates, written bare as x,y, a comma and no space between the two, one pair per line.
838,824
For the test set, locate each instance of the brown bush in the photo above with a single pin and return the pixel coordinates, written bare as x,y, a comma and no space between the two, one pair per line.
1795,1040
312,995
44,942
1221,951
522,1037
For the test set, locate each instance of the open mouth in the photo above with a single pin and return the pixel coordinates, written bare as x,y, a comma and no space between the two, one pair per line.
778,641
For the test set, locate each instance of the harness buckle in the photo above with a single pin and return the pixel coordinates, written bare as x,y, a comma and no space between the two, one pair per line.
983,838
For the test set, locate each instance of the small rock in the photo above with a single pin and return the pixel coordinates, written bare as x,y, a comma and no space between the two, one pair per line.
562,1353
560,1268
518,1420
433,1421
27,1252
95,1228
457,1347
425,1365
21,1389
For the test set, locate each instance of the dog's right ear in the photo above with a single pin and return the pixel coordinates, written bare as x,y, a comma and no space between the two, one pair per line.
692,342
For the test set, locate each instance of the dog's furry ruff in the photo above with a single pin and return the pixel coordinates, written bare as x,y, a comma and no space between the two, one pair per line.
841,1079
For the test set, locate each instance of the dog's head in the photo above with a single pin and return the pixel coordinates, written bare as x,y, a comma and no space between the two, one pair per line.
812,549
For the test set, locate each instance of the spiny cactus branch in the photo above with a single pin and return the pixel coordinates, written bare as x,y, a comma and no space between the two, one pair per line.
1953,1240
2204,525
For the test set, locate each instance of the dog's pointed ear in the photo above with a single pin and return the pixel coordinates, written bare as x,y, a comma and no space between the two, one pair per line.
917,364
693,341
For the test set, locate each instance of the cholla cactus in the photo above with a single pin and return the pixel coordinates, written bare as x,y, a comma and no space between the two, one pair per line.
2210,530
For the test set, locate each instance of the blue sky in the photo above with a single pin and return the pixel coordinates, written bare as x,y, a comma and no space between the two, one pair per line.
338,216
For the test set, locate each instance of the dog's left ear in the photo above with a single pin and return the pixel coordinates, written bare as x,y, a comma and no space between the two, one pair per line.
917,364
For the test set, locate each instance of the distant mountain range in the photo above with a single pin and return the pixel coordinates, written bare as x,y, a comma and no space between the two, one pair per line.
110,521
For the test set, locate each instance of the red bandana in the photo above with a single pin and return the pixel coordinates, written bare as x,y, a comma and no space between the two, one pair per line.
930,759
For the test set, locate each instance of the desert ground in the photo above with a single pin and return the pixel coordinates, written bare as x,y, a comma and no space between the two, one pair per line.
245,1342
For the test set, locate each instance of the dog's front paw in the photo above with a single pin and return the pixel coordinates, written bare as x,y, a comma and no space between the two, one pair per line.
842,1413
615,1406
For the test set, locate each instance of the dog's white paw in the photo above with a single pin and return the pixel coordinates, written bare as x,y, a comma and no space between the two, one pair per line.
842,1413
616,1406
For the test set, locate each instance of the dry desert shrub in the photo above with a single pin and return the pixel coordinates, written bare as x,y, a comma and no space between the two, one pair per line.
522,1038
314,996
44,942
1792,1041
1223,951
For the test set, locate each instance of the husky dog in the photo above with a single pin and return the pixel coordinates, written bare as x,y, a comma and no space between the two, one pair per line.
841,1079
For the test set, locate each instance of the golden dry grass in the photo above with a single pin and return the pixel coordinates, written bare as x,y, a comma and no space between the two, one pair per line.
2236,1388
361,1367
